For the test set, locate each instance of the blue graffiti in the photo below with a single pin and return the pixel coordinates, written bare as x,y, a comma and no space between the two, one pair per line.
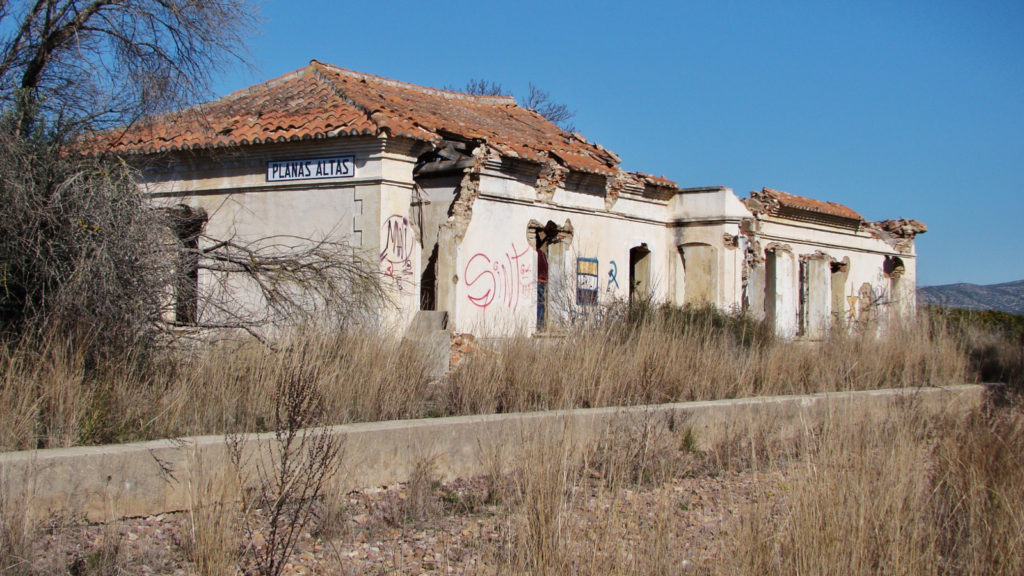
612,275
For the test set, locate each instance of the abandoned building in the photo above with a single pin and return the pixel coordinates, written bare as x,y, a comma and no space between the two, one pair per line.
487,218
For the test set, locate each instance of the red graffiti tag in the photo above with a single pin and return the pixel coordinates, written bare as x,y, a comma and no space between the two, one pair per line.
503,279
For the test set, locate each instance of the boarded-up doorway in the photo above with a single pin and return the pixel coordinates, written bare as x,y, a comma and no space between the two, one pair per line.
815,305
699,273
781,287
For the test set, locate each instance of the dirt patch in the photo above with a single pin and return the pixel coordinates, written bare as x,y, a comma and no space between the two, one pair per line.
465,527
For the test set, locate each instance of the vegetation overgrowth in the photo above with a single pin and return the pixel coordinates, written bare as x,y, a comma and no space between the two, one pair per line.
903,490
932,493
994,342
52,395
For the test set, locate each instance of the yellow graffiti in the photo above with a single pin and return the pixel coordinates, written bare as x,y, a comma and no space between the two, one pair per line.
852,314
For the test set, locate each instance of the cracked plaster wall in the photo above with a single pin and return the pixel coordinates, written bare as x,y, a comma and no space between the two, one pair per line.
481,217
242,206
865,255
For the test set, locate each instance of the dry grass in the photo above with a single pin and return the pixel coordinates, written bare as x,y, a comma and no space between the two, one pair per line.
15,533
673,355
50,395
547,483
901,491
896,491
211,534
913,496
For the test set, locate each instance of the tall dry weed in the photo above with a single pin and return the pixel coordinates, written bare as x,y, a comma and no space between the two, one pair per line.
52,396
211,534
15,532
910,494
547,482
670,355
285,477
979,493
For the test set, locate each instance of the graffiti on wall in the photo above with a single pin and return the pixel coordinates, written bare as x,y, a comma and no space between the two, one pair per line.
851,312
505,279
613,273
398,242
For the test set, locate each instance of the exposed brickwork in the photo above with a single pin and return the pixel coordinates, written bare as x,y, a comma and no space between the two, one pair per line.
463,346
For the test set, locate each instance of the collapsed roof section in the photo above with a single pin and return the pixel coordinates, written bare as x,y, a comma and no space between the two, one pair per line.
898,233
324,101
790,206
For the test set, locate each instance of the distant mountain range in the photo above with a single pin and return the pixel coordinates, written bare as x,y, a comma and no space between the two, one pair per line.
1007,297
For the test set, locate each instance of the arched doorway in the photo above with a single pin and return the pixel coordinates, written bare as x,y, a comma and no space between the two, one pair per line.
639,274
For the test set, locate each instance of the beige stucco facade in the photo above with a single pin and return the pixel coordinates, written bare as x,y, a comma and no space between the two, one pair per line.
462,238
481,216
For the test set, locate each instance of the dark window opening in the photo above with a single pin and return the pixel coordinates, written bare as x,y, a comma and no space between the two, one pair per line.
428,282
187,224
639,274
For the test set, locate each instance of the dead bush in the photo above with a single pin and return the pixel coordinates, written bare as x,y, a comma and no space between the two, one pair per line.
642,450
284,479
80,249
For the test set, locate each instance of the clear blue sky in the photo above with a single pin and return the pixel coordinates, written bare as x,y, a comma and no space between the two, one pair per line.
911,109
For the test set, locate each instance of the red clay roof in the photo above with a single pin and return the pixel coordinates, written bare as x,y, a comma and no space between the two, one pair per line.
324,101
659,181
772,200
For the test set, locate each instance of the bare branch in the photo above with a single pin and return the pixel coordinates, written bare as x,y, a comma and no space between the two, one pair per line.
536,99
290,279
481,87
108,62
540,102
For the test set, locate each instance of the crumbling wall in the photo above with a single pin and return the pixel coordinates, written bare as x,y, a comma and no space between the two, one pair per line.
842,276
462,208
898,233
551,177
614,186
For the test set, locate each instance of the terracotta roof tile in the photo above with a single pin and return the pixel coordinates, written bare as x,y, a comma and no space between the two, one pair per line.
325,101
659,181
771,201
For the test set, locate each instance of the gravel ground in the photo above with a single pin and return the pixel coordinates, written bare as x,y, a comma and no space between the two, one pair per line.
455,528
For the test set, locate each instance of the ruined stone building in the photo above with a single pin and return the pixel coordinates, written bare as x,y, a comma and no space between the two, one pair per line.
486,218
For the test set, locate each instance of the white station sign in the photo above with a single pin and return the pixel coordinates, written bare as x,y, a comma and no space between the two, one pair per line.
311,168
